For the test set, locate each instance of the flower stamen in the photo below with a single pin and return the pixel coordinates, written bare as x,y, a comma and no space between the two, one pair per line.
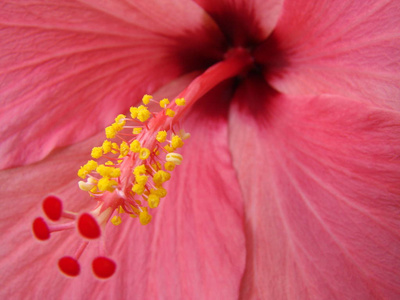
125,177
128,171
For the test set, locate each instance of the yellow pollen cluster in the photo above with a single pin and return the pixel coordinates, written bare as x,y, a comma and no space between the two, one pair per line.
176,142
87,168
144,153
161,136
106,184
137,130
141,113
170,112
146,99
116,220
97,152
117,126
164,102
180,101
139,163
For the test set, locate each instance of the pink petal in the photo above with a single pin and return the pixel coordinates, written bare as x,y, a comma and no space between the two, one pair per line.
320,179
69,68
347,48
244,22
193,249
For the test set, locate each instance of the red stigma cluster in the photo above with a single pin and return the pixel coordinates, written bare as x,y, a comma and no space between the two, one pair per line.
86,225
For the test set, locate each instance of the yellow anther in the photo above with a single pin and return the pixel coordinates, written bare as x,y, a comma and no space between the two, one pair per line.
97,152
135,146
115,173
116,220
138,189
144,153
176,142
146,99
141,179
180,101
87,168
120,119
153,200
115,148
143,113
82,172
109,163
109,172
134,112
107,145
169,112
120,210
86,185
164,102
91,165
160,192
176,158
184,135
124,149
144,216
137,130
117,126
160,177
110,132
103,170
156,166
139,170
169,148
106,184
161,136
169,166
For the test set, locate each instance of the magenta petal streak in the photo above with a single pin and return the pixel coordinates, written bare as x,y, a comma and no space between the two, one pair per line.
346,48
71,59
322,215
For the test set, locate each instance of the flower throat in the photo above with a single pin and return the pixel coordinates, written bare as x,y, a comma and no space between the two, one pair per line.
127,173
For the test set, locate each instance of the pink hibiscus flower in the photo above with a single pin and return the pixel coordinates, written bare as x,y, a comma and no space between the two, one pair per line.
289,184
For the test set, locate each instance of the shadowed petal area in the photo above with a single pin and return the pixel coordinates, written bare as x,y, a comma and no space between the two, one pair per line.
254,19
194,248
320,178
68,68
347,48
